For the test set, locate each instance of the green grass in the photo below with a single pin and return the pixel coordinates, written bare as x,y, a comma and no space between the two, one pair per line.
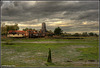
35,54
91,53
86,39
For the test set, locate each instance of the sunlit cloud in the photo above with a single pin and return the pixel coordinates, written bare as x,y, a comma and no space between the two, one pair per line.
27,25
85,23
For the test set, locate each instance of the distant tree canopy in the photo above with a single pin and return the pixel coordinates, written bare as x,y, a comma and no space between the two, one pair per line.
49,33
58,31
28,29
6,28
84,34
93,34
76,34
25,29
12,27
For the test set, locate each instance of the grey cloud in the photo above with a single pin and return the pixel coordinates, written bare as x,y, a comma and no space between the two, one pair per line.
20,12
46,9
90,15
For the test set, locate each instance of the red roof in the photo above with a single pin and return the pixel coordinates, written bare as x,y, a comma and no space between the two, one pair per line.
17,31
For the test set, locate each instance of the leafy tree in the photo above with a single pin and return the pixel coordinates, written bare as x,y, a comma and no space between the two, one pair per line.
28,29
12,27
50,31
91,34
3,30
96,35
85,34
58,31
76,34
25,29
6,28
67,34
16,27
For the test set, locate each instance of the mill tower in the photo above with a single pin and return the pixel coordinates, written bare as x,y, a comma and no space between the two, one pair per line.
44,27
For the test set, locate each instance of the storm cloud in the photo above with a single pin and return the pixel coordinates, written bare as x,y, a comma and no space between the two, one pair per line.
71,16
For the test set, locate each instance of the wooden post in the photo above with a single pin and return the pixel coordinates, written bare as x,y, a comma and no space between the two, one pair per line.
49,56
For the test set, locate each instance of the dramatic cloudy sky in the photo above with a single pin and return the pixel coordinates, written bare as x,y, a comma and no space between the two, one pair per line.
71,16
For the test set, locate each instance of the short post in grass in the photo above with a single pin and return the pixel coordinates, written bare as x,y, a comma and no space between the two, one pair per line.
49,56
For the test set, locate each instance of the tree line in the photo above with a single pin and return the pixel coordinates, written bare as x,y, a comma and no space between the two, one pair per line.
57,31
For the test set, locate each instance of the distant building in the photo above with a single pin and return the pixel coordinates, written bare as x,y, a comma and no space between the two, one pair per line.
44,27
17,33
29,33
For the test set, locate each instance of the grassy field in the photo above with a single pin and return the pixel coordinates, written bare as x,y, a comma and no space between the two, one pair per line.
86,39
77,54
